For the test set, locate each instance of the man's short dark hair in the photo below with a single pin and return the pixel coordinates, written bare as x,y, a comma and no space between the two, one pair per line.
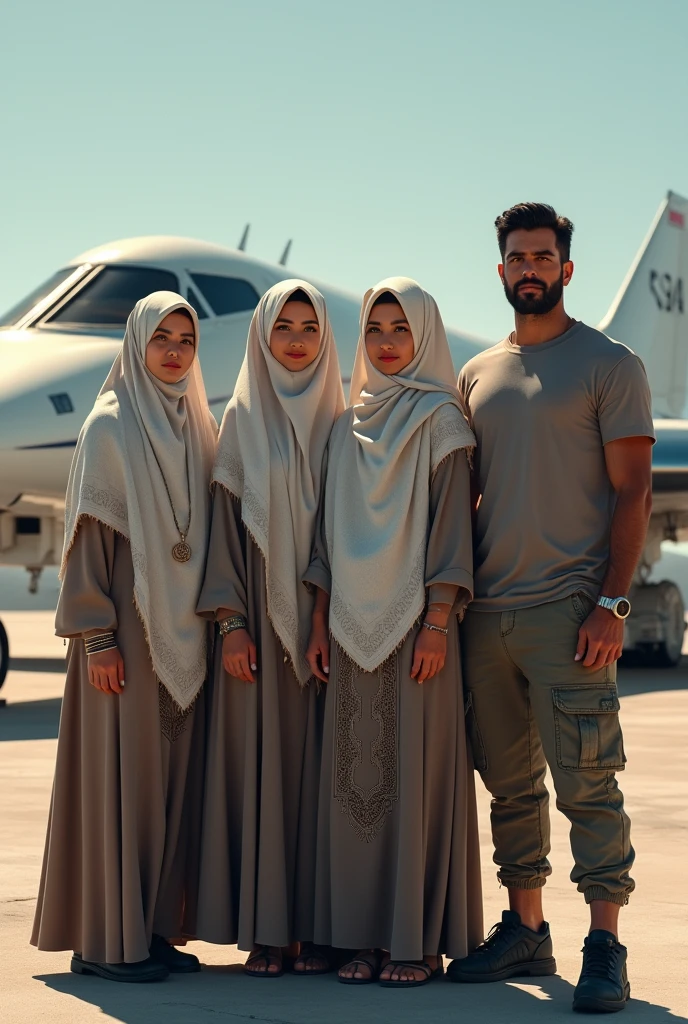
528,217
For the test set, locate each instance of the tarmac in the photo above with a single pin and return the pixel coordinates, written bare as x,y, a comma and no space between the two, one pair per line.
37,986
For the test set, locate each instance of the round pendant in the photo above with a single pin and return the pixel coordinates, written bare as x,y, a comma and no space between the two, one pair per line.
181,552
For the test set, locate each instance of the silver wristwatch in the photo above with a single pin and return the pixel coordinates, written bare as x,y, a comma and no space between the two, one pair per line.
619,606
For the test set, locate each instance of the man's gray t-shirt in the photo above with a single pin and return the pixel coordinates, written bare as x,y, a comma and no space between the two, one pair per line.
542,415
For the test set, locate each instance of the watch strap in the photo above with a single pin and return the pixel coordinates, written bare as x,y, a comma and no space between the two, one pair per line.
612,605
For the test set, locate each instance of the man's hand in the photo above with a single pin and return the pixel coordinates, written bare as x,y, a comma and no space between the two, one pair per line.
600,639
106,671
239,655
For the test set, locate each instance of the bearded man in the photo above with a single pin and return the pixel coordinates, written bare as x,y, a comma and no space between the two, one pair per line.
562,416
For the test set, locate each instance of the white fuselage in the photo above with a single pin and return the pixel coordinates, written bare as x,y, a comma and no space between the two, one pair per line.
45,358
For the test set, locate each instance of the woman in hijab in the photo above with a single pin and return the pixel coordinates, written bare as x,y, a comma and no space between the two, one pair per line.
397,859
259,831
120,867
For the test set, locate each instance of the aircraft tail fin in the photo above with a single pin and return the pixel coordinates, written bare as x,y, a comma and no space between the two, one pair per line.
650,312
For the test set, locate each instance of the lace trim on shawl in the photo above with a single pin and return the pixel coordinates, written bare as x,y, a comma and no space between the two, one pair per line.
111,500
95,501
250,499
449,433
366,810
282,609
227,461
370,641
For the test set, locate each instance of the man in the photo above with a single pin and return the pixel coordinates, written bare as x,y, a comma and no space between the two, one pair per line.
563,485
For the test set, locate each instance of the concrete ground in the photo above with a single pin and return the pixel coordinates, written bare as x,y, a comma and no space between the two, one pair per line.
36,986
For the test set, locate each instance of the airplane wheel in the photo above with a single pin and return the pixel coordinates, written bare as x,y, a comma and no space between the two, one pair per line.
4,654
666,653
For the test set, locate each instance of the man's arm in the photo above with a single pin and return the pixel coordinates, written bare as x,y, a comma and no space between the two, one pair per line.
629,466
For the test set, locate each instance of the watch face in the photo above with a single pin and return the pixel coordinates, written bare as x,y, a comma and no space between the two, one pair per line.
623,607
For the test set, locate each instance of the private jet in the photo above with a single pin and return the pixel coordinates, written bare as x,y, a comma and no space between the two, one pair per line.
57,345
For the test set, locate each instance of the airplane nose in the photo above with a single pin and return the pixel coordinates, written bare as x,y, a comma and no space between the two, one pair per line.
47,388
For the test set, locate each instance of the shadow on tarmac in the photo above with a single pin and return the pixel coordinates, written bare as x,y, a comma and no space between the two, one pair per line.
225,993
632,681
30,720
40,719
38,665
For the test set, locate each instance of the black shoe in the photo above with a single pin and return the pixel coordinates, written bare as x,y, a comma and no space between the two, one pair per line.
510,951
144,970
172,958
603,984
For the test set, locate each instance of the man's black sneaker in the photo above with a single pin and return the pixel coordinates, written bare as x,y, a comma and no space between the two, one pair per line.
603,984
143,971
510,951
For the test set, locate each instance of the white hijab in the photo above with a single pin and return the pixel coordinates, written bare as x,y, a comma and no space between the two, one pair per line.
383,454
272,440
141,434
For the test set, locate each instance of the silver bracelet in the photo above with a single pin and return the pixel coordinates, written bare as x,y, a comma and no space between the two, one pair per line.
100,642
231,623
436,629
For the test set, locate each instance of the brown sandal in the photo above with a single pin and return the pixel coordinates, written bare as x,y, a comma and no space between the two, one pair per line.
372,960
263,953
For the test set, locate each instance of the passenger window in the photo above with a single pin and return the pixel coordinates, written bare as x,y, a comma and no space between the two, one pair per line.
108,299
226,294
193,300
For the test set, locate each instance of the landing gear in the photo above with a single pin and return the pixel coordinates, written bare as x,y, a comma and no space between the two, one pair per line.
655,627
35,572
4,655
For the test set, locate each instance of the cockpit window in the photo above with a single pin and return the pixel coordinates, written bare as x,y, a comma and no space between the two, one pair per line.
16,313
226,294
193,299
108,299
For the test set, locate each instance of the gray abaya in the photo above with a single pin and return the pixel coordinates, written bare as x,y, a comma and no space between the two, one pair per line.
121,854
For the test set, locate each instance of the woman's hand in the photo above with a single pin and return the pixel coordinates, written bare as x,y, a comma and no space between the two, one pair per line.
318,651
429,650
106,670
239,655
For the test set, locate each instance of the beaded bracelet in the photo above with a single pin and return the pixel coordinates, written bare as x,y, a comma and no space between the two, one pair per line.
231,623
436,629
100,642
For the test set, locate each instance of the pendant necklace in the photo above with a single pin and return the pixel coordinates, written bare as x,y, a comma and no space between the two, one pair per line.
181,552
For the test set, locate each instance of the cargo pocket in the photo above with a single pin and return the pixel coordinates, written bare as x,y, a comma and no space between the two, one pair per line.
475,739
587,728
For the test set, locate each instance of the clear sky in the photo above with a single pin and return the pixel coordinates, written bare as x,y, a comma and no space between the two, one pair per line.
382,137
